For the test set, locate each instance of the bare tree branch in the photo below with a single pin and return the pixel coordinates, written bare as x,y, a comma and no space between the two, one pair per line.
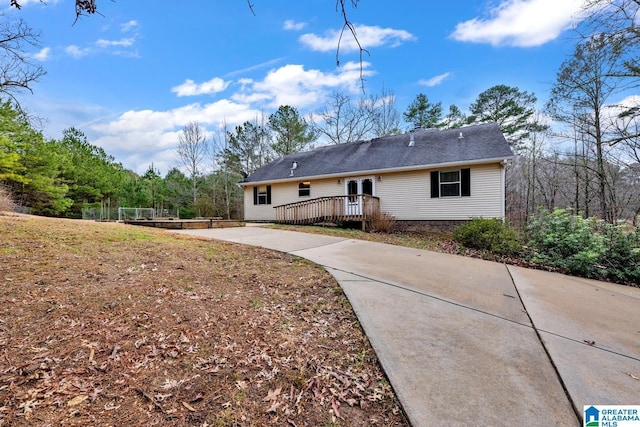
251,7
340,5
17,71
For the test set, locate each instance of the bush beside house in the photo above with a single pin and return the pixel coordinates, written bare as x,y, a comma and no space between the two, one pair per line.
584,247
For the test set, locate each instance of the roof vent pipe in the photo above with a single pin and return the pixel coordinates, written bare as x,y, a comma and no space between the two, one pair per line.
460,136
412,140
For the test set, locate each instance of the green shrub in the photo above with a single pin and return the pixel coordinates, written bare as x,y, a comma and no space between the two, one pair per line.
622,253
585,247
488,234
561,239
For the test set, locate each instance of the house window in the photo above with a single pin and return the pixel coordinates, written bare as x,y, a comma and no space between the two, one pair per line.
262,195
452,183
367,186
304,189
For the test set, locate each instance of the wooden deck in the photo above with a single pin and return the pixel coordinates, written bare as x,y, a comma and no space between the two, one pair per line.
335,209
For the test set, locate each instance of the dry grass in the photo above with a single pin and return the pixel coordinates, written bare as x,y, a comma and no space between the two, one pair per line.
105,324
431,241
381,222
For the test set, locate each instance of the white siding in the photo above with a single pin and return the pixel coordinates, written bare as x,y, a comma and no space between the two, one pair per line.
406,195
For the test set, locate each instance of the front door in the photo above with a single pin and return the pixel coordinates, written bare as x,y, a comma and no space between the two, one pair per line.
354,189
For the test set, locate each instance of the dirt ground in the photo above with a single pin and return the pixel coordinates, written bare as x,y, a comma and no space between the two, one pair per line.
110,325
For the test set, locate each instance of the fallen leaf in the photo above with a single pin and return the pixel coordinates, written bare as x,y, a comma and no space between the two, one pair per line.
272,395
114,351
274,407
335,405
77,400
189,407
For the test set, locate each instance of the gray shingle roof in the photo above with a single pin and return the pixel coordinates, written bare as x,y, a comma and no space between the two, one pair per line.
432,147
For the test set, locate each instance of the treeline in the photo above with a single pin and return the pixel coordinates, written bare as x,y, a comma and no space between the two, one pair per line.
65,177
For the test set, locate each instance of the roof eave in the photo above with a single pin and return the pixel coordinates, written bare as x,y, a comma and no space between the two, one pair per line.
380,171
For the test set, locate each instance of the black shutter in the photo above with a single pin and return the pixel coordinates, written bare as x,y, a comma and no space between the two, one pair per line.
255,195
268,194
435,184
465,177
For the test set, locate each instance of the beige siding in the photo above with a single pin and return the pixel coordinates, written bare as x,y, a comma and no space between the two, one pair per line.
406,195
284,193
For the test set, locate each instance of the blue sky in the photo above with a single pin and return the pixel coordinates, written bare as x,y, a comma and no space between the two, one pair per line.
133,76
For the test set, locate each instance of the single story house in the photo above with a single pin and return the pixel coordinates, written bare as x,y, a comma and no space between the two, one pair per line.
421,177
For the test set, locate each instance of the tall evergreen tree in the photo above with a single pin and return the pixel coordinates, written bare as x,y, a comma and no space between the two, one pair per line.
511,108
422,113
291,132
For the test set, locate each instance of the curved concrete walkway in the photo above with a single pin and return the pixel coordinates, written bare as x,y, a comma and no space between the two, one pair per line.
471,342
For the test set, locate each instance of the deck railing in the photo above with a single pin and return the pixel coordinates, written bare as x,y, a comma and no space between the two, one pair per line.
336,209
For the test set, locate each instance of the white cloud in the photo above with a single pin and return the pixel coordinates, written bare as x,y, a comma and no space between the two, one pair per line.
612,112
43,55
436,80
368,36
292,25
139,137
295,86
76,52
521,23
158,129
128,26
126,42
191,88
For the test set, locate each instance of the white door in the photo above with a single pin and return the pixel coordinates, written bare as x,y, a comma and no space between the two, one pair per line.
354,189
353,204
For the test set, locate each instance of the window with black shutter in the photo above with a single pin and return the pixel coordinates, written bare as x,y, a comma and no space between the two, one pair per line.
262,195
451,183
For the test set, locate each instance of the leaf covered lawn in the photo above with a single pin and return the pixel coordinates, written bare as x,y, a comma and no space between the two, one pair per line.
106,324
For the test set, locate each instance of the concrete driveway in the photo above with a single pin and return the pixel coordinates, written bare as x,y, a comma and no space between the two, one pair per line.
471,342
